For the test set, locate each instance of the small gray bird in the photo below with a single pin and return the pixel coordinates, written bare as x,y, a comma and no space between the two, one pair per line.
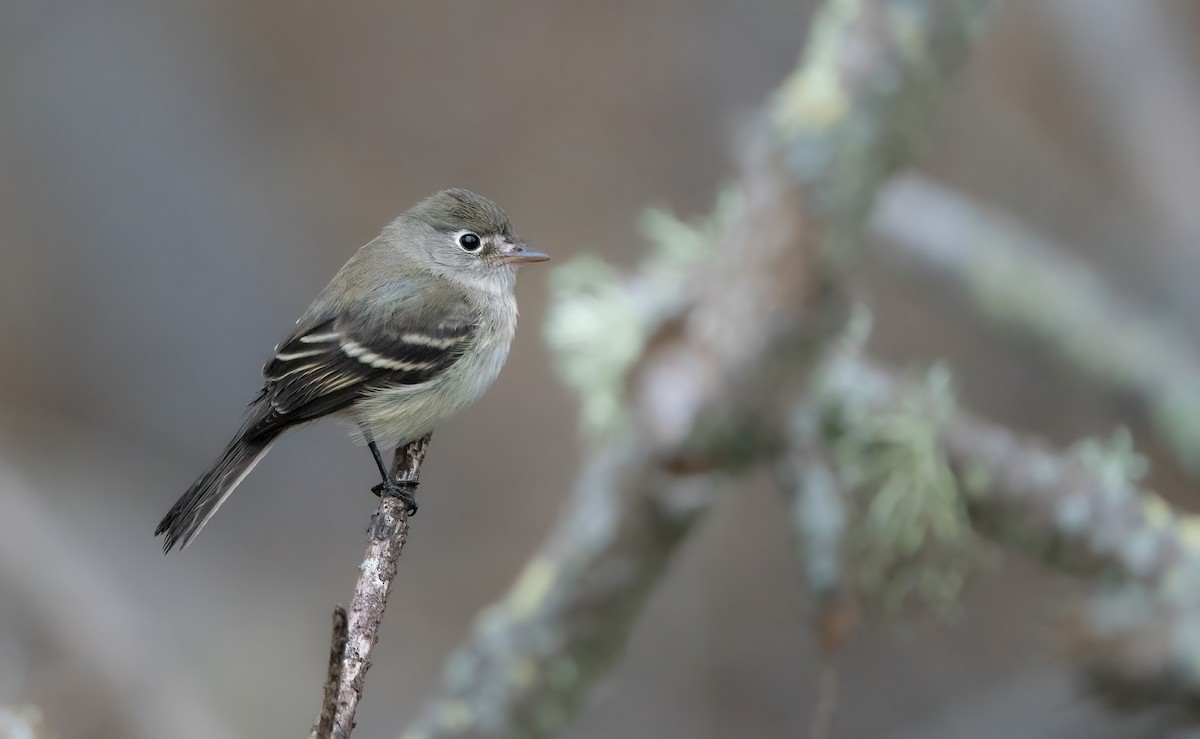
413,328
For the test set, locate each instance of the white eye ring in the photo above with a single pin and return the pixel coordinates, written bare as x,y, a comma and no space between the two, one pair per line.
470,242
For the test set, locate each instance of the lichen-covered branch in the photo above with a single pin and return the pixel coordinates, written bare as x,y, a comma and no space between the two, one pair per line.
1077,511
1137,645
682,367
1080,512
1022,280
356,632
819,518
535,653
820,526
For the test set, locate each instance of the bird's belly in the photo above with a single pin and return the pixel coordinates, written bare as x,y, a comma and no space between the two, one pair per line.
406,412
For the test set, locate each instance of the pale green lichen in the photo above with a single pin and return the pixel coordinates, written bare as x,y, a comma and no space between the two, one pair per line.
599,322
819,516
908,32
974,478
1115,461
842,118
456,716
1158,512
911,538
813,98
679,244
531,588
597,332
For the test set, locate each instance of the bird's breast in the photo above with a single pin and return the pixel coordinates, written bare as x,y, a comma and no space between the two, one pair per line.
405,412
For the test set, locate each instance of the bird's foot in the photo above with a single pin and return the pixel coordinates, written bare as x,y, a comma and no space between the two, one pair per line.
405,491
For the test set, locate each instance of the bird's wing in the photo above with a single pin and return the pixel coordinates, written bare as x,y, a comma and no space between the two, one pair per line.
328,364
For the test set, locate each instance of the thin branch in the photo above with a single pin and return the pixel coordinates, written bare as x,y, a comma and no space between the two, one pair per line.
1023,280
698,396
827,701
819,517
337,651
819,527
386,537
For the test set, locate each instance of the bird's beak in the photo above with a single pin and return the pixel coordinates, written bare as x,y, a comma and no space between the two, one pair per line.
523,254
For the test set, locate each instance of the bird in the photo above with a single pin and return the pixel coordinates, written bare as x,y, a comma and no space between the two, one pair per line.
413,328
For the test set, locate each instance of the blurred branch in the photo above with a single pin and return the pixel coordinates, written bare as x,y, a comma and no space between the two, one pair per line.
820,520
688,360
1137,645
1079,512
1020,279
535,654
85,615
355,633
819,516
820,528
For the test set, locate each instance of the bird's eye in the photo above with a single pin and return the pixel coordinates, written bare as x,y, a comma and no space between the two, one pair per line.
469,242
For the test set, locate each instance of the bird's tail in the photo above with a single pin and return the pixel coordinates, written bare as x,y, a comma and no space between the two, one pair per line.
205,496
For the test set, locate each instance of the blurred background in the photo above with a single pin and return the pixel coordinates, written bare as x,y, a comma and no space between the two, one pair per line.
177,180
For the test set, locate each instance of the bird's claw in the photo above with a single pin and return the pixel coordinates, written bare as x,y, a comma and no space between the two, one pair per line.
405,492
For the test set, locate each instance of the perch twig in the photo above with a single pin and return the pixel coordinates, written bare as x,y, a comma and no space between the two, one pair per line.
337,649
357,631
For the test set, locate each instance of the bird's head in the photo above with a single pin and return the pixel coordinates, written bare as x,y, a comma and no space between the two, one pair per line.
460,234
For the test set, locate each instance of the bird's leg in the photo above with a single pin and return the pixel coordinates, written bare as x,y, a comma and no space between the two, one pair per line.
378,460
405,491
